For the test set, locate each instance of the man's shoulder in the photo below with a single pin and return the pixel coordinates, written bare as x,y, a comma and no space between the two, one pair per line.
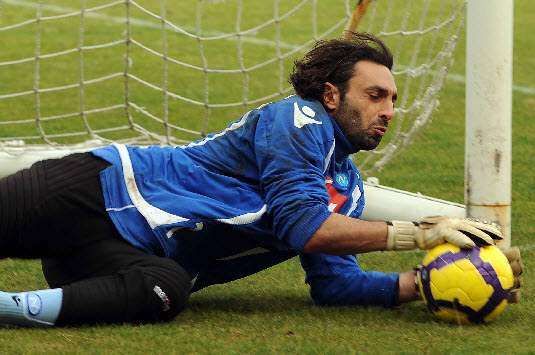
299,112
313,105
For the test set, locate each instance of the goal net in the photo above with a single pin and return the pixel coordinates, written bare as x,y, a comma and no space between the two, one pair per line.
75,75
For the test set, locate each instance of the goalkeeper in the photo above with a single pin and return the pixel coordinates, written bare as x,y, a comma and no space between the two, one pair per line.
125,234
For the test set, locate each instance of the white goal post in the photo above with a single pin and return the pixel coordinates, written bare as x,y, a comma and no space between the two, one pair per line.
160,72
488,121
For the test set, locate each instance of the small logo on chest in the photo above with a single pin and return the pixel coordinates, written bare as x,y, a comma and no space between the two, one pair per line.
342,179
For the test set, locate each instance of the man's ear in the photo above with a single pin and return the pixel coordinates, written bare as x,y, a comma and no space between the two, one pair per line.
331,97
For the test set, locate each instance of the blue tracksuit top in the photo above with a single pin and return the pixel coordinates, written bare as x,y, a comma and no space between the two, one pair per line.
245,199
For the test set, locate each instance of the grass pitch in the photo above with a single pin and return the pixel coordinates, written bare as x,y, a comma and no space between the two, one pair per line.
271,312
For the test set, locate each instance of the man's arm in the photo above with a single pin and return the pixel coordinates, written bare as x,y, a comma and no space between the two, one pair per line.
342,235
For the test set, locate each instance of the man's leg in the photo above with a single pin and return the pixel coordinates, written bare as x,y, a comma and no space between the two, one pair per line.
53,207
111,281
56,210
106,282
49,209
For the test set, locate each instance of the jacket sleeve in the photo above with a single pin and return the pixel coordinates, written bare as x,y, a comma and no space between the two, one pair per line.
339,281
291,159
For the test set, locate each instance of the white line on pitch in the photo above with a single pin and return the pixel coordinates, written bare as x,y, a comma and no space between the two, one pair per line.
148,24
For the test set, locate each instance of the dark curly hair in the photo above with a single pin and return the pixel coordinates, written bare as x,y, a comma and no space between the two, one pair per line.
334,61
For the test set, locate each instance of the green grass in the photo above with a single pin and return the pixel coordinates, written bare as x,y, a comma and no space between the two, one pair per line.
270,312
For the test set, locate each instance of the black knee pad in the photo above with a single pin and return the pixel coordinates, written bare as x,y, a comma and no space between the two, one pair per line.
151,292
166,289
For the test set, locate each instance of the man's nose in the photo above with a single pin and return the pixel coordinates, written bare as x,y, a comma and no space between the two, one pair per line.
388,111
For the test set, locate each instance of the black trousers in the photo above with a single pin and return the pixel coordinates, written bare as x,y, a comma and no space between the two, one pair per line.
55,211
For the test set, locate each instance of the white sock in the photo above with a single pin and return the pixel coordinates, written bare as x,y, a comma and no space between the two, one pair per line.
34,308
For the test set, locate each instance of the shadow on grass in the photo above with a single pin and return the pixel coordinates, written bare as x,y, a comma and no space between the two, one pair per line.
292,304
250,301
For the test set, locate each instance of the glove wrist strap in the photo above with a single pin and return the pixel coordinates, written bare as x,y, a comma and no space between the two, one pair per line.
401,235
417,278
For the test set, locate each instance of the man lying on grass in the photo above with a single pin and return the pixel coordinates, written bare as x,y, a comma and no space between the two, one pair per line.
125,234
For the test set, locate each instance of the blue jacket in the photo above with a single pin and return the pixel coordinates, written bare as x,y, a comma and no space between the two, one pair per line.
246,198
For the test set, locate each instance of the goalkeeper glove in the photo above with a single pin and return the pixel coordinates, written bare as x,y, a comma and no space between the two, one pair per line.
513,255
432,231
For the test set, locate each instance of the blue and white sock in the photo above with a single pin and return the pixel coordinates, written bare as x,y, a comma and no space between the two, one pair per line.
34,308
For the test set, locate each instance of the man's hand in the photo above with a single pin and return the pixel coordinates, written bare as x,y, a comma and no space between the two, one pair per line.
432,231
513,255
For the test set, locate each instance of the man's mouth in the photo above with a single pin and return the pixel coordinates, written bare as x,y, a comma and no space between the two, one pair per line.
380,130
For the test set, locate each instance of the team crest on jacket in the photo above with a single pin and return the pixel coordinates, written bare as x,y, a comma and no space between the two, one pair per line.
304,116
342,179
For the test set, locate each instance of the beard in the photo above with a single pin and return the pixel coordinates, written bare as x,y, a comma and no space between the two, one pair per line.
361,137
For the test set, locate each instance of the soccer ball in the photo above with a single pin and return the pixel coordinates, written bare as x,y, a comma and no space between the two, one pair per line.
465,285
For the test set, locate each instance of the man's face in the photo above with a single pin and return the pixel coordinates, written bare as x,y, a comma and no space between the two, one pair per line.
366,109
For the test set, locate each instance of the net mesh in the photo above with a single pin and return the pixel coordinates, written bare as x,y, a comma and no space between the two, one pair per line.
91,72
